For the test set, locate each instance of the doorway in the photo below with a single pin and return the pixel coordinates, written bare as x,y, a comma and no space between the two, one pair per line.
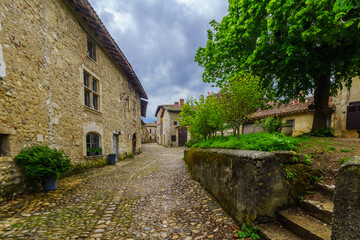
182,137
116,145
134,144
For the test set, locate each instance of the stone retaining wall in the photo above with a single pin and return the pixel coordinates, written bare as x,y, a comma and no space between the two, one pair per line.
346,217
251,186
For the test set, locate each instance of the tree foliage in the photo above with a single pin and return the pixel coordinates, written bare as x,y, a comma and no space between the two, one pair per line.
240,97
295,46
348,11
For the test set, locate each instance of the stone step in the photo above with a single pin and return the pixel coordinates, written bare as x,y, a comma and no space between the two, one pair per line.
275,231
322,210
304,225
326,190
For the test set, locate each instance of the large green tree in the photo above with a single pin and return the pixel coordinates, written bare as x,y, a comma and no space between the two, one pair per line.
298,47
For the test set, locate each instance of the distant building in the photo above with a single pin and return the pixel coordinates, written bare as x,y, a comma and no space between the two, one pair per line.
169,132
151,129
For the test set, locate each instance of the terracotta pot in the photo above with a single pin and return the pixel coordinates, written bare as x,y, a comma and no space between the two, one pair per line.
287,130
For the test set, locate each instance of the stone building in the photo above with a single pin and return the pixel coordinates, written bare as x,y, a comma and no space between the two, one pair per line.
151,129
168,133
296,113
64,82
346,116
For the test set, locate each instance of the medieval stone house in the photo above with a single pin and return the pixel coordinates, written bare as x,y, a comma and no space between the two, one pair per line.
168,132
151,129
64,82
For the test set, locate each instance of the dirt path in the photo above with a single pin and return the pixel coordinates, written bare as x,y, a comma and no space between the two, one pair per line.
149,197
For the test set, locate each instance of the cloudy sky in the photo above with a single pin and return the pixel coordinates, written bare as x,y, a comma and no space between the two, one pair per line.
160,39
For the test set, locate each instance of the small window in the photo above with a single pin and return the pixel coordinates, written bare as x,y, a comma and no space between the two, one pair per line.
86,80
95,85
96,102
175,123
4,145
291,122
173,138
87,98
91,50
92,141
150,130
129,86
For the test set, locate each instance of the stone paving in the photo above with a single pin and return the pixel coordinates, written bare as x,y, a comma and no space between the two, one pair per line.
149,197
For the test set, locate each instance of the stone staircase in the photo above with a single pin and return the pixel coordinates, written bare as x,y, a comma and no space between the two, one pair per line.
310,220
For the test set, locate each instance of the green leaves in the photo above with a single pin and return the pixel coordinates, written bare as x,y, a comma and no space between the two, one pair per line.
41,161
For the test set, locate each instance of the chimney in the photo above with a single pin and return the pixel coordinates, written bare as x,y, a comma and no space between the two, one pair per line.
176,103
181,102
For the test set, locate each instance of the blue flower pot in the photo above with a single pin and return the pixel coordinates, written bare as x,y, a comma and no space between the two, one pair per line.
112,159
49,183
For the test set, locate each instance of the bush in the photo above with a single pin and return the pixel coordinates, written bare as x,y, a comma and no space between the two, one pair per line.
262,141
40,161
270,124
322,132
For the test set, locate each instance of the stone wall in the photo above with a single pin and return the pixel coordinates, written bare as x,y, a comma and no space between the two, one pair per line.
169,128
250,185
43,55
346,216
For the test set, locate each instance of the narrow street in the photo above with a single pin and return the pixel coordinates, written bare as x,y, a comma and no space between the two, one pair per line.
149,197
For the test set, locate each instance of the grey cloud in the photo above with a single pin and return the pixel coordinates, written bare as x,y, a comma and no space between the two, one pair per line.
160,43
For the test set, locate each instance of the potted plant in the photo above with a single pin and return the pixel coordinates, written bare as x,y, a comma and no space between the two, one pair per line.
90,151
98,151
43,164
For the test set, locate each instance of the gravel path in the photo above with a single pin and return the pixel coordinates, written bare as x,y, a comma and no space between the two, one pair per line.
149,197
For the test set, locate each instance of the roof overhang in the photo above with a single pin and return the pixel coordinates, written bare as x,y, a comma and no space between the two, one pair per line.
93,22
143,107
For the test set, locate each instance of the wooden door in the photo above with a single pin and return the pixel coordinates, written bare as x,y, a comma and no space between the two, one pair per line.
182,137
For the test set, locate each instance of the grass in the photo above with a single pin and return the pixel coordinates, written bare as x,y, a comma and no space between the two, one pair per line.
256,141
344,160
345,150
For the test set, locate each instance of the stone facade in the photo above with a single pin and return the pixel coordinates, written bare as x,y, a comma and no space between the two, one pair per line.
43,59
167,123
341,102
151,129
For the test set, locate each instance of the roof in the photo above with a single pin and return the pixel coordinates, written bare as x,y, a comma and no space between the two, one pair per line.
170,108
293,107
92,20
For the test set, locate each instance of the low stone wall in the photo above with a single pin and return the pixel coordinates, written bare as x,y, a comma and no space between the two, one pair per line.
346,217
251,186
12,182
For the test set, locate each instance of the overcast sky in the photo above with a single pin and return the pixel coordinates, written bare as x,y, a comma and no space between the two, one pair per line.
160,39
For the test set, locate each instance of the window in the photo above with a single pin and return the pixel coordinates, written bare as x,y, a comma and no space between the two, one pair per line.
91,92
91,49
175,123
129,86
291,122
150,130
92,141
173,138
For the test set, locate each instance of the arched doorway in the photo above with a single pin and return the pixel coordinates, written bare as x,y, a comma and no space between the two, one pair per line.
134,144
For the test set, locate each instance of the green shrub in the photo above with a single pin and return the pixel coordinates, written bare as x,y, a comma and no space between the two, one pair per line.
41,161
322,132
262,141
248,231
270,124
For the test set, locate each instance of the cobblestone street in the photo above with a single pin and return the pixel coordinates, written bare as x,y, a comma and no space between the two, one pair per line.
149,197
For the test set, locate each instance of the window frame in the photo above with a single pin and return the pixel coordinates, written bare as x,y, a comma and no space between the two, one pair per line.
91,49
91,144
291,122
92,87
173,138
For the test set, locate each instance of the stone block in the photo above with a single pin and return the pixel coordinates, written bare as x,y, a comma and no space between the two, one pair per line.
346,216
250,185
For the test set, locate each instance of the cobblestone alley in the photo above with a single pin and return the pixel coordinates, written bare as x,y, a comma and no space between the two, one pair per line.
149,197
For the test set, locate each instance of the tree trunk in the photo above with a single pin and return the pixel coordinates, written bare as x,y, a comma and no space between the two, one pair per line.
321,101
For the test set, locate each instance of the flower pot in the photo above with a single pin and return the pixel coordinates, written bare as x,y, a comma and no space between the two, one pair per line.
112,159
49,183
287,130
